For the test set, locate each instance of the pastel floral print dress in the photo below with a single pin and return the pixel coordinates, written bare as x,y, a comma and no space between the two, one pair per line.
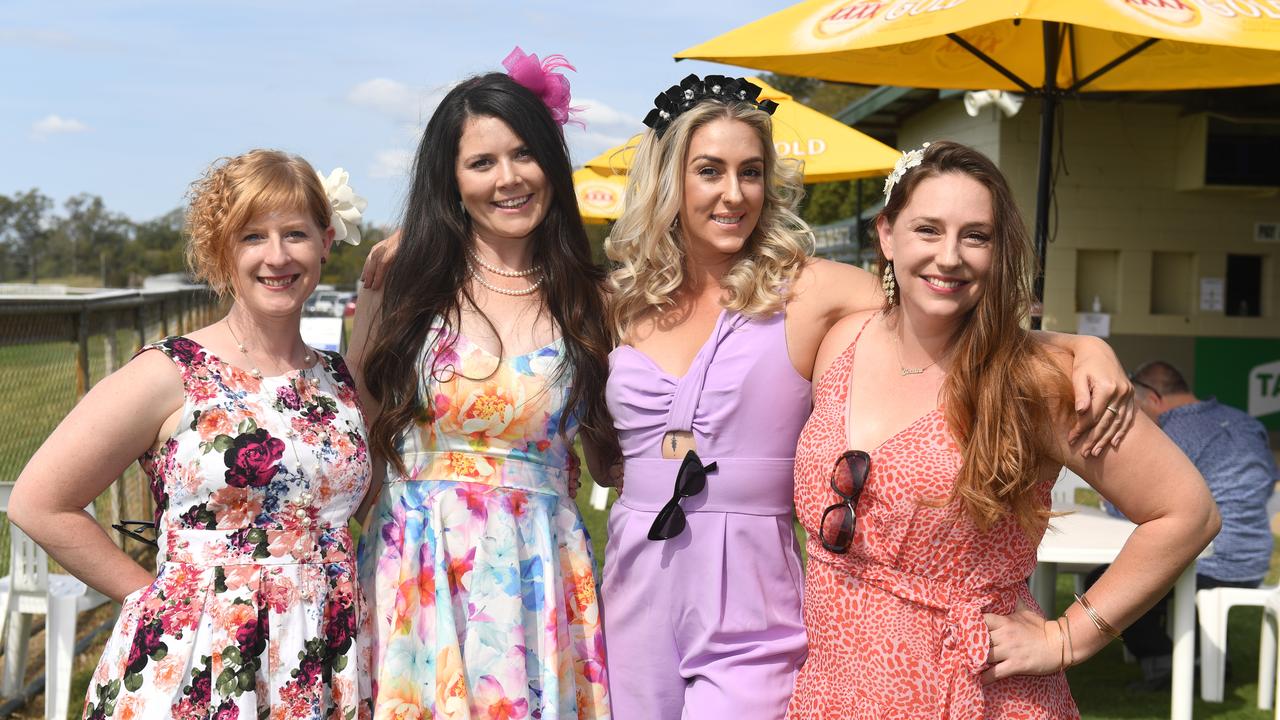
477,564
254,609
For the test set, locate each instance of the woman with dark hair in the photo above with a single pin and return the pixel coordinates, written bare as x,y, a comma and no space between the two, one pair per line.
924,475
481,360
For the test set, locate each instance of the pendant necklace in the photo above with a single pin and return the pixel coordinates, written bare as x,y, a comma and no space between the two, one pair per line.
308,358
897,346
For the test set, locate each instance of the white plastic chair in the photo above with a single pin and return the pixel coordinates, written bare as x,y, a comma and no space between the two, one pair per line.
1268,673
1212,607
30,589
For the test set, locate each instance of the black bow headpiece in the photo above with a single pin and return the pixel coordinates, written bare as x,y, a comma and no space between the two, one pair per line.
693,90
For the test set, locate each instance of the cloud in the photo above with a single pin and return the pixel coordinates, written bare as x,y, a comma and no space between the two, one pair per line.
37,38
391,164
395,99
55,125
595,113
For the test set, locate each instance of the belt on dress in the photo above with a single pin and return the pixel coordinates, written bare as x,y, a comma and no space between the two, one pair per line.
749,486
966,641
257,546
496,469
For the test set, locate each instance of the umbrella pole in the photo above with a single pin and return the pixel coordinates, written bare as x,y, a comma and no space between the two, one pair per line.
1048,111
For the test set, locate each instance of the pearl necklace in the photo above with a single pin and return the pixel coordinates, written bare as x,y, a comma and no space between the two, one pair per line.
504,291
308,358
499,271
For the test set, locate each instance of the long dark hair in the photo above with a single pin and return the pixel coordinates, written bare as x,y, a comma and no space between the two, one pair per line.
1002,394
428,279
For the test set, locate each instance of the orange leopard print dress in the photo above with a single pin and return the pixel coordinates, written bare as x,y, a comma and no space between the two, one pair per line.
895,626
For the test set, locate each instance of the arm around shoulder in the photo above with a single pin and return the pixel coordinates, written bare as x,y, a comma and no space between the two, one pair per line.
833,290
1154,484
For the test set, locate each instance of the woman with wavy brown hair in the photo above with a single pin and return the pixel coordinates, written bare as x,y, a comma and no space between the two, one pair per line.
485,358
924,474
720,310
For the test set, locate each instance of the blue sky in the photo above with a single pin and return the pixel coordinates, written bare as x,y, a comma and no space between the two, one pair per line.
132,99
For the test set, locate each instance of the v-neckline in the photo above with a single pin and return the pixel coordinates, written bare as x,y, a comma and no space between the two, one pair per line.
847,408
715,331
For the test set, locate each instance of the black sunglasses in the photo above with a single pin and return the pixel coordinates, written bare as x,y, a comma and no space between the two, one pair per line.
691,479
125,527
848,478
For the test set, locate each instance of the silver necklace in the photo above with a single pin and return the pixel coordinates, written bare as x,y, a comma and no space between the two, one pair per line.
499,271
504,291
244,352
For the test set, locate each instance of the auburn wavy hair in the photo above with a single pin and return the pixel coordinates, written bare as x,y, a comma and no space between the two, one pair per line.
428,280
232,192
648,251
1003,394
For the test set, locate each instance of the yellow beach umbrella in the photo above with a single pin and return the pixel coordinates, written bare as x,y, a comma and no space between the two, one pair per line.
1045,48
830,149
599,195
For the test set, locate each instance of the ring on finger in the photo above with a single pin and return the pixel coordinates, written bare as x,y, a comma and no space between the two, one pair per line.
1112,410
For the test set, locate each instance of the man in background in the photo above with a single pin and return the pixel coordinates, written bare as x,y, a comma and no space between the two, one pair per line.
1231,450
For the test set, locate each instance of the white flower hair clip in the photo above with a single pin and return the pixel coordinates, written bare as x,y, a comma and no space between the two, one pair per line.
348,207
909,159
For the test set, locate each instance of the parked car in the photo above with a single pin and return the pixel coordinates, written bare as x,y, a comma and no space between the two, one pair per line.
349,308
325,303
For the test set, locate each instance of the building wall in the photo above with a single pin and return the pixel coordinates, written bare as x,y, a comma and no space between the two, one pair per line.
1117,208
1123,233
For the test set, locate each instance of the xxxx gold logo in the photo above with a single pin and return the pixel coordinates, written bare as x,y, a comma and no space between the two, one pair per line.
1173,12
848,16
601,196
851,15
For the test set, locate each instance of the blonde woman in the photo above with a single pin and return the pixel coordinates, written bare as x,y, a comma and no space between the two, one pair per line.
720,311
254,445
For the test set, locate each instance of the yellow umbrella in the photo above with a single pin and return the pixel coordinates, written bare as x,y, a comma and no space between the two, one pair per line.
1045,48
830,149
1102,45
599,195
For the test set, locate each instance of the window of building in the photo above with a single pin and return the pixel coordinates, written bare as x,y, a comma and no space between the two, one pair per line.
1244,285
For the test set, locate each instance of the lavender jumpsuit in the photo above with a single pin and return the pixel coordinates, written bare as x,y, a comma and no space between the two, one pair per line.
707,624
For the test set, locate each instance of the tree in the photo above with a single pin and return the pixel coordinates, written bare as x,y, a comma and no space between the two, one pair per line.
159,244
26,230
346,261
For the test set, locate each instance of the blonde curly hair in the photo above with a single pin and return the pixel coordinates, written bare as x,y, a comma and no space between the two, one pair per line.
648,250
232,192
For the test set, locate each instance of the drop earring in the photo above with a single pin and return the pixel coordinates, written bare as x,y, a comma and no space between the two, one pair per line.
889,283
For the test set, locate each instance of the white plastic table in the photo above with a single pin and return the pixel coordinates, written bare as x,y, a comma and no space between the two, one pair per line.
1089,536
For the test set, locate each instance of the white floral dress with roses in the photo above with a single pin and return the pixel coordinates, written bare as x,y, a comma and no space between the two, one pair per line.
254,609
476,561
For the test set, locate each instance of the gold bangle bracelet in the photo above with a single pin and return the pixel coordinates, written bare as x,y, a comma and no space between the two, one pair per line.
1103,626
1062,645
1066,622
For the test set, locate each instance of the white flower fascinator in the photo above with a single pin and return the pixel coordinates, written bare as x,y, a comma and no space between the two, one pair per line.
348,207
909,159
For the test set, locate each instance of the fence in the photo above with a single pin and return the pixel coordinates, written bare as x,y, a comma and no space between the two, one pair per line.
53,348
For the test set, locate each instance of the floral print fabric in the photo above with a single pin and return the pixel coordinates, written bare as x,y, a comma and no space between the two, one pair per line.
476,562
254,609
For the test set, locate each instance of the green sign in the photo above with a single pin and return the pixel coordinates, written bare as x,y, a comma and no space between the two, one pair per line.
1243,373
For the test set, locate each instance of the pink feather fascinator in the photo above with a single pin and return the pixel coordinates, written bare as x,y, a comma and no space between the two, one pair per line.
542,79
